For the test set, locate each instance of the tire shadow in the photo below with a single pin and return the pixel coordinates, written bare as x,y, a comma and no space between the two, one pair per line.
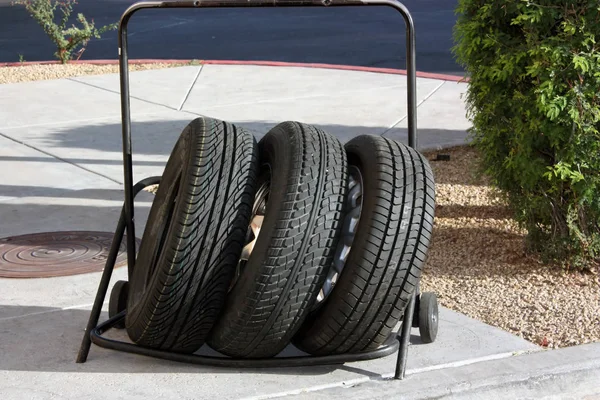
47,339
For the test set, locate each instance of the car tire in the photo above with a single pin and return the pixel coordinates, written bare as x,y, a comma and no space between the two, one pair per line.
307,175
384,262
193,237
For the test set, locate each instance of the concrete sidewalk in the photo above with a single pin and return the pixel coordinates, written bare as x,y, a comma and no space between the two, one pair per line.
60,148
71,129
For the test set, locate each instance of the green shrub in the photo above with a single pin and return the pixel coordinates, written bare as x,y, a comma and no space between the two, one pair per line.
67,40
534,100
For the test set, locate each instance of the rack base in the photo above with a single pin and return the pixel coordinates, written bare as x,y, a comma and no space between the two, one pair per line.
390,347
94,331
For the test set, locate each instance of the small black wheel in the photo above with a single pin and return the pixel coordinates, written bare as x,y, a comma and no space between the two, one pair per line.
118,301
428,317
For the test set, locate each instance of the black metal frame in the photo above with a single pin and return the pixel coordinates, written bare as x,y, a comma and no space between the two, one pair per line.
93,332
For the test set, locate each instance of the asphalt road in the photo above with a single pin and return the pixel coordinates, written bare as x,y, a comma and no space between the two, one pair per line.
363,36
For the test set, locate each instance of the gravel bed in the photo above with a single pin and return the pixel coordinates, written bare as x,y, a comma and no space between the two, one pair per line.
478,266
28,73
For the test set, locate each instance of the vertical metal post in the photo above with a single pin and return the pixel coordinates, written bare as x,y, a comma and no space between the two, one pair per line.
411,66
411,75
411,72
127,151
404,338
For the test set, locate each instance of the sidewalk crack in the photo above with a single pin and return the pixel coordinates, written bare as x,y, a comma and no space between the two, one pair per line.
418,105
119,93
191,88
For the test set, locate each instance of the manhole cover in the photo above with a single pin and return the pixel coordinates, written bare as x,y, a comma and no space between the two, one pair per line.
43,255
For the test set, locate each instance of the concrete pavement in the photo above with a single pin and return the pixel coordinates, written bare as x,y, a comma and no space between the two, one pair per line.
60,148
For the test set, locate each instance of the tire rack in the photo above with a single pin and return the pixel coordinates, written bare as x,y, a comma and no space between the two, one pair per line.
93,332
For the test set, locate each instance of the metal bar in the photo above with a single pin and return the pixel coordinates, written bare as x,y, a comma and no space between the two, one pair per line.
124,73
389,347
144,183
404,338
127,151
411,66
84,349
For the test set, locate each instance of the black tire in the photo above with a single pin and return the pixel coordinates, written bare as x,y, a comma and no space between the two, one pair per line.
293,252
118,301
193,238
428,317
387,253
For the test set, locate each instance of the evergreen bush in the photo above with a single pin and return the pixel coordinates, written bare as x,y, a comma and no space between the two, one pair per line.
534,101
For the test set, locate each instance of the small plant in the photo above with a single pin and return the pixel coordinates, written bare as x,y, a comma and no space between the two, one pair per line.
21,58
67,40
534,101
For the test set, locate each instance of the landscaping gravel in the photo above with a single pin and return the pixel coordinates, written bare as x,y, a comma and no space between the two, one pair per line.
27,73
477,262
478,266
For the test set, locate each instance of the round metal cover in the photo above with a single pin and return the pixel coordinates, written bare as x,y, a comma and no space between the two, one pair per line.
43,255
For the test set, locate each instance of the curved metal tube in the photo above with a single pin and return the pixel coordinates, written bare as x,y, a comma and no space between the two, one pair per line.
124,75
388,348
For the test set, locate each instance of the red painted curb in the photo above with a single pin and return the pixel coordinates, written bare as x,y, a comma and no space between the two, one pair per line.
420,74
428,75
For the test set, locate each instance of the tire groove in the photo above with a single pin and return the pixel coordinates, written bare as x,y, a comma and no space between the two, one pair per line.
201,245
406,238
267,308
407,269
363,294
212,222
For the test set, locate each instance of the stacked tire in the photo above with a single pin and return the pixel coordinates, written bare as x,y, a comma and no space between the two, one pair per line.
295,239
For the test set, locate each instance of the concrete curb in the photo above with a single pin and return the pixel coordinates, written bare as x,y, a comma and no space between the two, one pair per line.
420,74
568,373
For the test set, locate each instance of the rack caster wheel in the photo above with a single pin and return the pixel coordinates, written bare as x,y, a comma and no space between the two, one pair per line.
426,316
118,301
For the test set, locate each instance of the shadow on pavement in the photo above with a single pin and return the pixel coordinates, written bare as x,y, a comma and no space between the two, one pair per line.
47,339
48,191
41,209
41,201
157,137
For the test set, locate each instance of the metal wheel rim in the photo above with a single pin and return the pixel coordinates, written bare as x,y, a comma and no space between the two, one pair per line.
354,202
256,219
